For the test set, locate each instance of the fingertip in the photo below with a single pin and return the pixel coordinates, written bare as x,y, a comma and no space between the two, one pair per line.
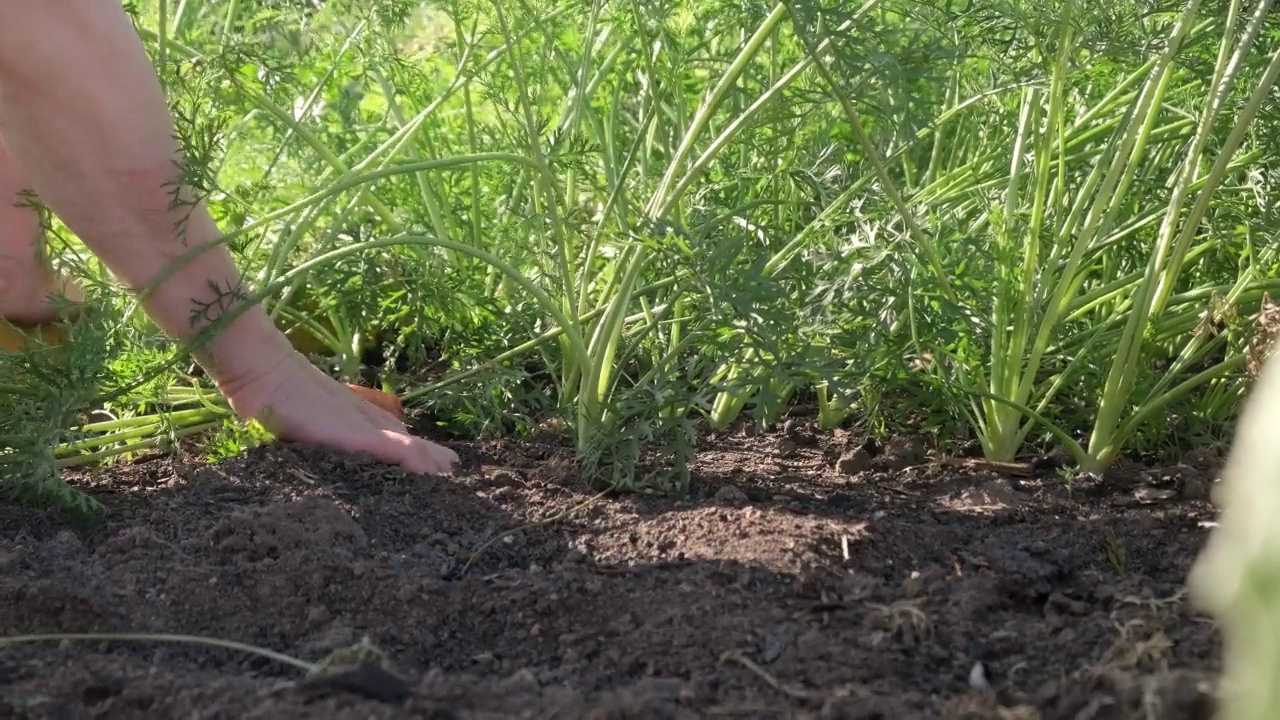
415,455
439,467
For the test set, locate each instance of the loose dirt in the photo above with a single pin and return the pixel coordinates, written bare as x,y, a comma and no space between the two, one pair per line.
809,576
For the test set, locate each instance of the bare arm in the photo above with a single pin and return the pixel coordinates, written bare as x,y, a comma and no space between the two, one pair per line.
83,112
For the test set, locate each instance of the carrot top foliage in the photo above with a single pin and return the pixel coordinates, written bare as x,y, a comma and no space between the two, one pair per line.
1043,224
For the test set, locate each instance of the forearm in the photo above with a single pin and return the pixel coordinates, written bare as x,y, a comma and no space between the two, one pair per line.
83,112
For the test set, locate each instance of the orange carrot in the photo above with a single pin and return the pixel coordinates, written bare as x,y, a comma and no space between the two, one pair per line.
384,400
16,338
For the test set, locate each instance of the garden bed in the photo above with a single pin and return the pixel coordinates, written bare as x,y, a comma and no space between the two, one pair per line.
786,588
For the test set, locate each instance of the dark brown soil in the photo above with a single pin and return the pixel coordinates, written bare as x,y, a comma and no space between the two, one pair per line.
784,588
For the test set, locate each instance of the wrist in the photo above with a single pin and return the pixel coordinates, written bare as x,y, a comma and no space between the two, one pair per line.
207,303
245,350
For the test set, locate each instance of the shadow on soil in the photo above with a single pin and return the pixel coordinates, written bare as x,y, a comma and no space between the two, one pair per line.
783,588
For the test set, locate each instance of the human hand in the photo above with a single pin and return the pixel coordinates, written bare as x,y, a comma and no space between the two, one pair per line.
294,400
92,135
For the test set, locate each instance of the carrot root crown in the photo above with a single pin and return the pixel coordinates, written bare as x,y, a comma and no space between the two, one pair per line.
384,400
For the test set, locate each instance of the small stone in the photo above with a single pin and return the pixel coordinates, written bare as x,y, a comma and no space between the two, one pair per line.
1203,459
979,677
1062,604
730,494
913,585
1105,593
68,542
996,493
522,679
1148,494
772,648
1196,489
902,452
365,680
853,462
318,615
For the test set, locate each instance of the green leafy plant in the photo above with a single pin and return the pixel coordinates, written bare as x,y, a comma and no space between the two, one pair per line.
1056,225
649,220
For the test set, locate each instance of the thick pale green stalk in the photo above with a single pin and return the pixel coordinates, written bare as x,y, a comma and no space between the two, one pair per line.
1047,292
604,341
665,196
151,443
1161,269
1006,355
729,403
524,348
1224,78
